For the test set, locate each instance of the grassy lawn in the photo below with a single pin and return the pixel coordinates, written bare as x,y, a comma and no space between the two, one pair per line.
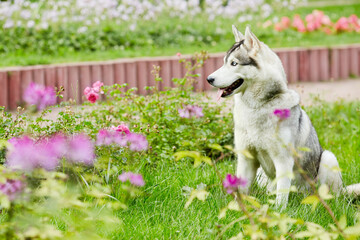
220,44
160,214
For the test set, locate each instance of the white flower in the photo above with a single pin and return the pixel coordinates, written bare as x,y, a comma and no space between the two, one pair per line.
8,24
30,24
82,29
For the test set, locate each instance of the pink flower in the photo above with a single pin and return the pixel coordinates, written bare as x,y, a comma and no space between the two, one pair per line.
137,142
178,54
342,24
298,24
46,155
87,90
120,139
123,128
11,188
285,21
81,150
27,155
92,96
39,95
231,183
134,179
97,86
325,20
311,27
21,154
104,137
190,111
282,113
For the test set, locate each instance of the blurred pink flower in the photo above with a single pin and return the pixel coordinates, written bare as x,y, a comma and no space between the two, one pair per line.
311,26
326,20
87,90
178,54
104,137
189,111
21,154
39,95
123,128
285,21
81,150
298,23
282,113
134,179
137,142
342,24
27,155
11,188
45,155
231,183
97,86
120,139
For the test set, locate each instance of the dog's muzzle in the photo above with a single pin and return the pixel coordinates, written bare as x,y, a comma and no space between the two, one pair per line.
230,89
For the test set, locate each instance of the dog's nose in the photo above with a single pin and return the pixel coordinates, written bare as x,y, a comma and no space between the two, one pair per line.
210,79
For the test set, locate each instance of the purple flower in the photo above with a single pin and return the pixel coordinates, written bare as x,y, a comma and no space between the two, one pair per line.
11,188
137,142
190,111
39,95
135,179
231,183
21,155
58,144
104,137
81,150
120,139
27,155
45,155
282,113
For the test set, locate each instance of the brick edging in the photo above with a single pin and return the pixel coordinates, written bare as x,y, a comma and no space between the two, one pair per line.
300,64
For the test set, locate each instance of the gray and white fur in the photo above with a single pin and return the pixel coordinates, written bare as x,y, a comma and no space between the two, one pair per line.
254,75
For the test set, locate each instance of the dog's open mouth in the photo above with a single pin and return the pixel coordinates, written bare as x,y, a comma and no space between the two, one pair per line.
224,92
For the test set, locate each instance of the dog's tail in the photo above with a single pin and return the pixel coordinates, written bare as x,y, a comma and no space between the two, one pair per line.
353,189
327,175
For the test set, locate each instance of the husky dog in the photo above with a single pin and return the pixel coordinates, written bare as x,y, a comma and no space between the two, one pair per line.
254,75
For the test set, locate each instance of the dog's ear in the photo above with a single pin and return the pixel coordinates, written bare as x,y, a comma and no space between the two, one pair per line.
237,34
251,42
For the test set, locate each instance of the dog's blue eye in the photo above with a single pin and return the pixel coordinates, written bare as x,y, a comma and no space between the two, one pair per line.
233,63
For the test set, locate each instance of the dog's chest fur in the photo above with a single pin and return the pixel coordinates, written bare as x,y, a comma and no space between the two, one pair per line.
256,130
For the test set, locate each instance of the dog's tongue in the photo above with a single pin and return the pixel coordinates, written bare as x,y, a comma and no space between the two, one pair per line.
219,93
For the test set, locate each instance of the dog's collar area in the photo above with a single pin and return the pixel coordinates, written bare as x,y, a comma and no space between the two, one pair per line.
230,89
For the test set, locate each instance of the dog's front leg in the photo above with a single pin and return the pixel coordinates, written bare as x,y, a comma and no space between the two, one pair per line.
246,168
284,171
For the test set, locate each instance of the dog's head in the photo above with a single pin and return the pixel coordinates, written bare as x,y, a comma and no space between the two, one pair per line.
244,63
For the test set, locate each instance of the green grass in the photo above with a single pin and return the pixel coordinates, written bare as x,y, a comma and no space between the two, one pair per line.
269,36
160,213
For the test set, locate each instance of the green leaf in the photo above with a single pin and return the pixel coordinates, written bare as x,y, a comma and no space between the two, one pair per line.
342,222
247,154
353,230
199,194
216,147
314,200
324,192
